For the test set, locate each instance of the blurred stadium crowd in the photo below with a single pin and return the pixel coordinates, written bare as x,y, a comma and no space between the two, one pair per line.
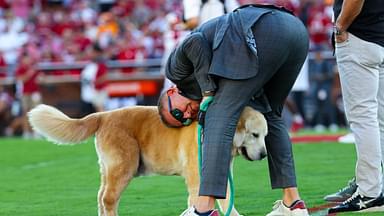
66,31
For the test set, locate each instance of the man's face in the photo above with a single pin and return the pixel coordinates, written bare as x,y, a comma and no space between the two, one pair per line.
179,109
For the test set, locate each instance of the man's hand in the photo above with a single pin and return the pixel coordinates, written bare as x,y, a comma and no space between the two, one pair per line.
341,37
203,109
205,102
349,11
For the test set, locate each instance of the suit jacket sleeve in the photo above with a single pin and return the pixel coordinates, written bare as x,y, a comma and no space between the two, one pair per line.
198,51
190,62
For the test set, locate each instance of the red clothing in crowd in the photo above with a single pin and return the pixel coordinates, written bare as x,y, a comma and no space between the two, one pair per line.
127,54
319,25
3,72
100,80
82,41
30,84
4,4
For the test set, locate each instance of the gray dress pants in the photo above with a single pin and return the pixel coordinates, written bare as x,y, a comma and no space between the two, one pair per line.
282,45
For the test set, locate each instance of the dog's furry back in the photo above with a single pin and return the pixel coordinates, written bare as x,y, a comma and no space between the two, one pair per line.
59,128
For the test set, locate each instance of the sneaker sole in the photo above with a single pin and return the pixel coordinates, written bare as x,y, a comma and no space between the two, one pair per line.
372,209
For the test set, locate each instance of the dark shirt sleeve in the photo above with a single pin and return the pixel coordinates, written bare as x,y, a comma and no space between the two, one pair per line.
189,62
199,52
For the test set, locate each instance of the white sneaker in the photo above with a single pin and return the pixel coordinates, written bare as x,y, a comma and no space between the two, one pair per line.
298,209
191,212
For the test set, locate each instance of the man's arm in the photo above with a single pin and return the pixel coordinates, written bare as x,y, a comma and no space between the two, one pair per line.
349,11
199,53
190,62
180,70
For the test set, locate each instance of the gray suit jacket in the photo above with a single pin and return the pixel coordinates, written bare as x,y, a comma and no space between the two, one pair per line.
234,48
222,47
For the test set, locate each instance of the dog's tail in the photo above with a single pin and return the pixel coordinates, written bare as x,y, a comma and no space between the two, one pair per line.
59,128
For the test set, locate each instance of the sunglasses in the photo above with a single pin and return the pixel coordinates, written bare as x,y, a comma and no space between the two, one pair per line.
178,114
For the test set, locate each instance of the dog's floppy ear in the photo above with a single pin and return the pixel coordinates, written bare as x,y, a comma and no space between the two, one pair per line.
241,123
247,113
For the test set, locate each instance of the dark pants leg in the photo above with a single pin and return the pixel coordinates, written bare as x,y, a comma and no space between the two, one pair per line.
291,48
278,143
282,45
220,125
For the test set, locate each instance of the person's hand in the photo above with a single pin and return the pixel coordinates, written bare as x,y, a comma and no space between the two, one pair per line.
203,108
205,103
342,37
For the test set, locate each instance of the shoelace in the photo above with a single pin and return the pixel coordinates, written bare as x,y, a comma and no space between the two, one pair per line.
354,196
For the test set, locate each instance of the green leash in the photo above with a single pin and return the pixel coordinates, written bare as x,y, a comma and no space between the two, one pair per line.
204,107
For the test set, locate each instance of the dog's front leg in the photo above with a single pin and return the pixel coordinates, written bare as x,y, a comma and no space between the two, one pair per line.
192,182
117,179
118,170
100,205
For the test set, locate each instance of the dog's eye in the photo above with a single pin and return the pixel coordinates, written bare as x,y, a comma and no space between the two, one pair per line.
256,135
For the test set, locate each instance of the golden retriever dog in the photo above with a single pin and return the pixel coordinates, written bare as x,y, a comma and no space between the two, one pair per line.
133,141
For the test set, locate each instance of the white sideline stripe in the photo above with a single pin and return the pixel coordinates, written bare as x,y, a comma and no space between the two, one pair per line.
38,165
51,163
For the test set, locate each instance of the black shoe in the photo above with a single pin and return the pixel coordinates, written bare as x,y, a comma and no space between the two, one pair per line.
358,203
344,193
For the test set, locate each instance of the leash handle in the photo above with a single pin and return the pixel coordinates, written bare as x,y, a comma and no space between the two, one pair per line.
203,110
204,105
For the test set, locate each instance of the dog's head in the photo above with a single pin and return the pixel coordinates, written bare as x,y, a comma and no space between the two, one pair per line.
250,133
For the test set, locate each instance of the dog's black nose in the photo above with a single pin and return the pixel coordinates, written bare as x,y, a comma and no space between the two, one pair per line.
263,155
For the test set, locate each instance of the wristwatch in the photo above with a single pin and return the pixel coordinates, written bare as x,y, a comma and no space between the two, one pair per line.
337,30
208,93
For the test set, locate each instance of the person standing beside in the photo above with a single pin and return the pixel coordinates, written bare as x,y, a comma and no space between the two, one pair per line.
359,42
26,77
94,79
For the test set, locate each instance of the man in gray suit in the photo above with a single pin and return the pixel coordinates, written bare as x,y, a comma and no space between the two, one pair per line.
251,56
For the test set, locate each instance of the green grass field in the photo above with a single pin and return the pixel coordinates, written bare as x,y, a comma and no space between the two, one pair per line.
38,178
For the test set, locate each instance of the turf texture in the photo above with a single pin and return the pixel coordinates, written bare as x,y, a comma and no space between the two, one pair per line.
38,178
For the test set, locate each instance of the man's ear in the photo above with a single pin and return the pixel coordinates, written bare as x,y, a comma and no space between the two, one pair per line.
172,90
